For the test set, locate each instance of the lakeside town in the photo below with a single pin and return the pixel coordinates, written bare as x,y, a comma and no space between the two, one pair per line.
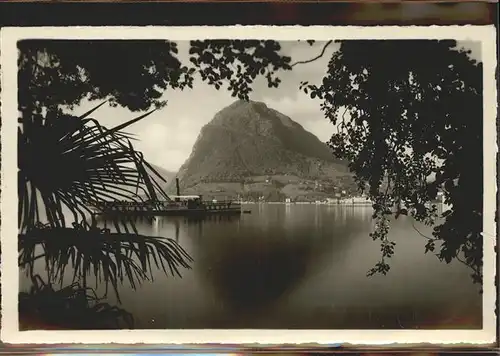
358,200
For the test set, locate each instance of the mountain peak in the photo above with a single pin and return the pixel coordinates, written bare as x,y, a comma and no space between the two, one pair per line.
247,138
243,105
247,103
252,115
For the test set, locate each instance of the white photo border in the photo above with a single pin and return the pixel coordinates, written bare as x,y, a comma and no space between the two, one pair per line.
9,36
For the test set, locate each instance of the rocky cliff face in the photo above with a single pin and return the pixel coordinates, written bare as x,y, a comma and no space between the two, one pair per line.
248,143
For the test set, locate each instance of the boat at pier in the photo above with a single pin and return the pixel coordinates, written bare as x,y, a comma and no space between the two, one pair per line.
164,208
176,205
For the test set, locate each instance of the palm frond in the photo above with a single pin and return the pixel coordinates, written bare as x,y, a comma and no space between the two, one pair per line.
68,166
75,162
110,257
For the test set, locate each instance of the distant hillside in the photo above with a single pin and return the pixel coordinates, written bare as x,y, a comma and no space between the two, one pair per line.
169,177
250,150
164,173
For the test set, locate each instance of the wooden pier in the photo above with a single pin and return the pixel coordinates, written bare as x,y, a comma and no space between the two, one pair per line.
177,205
166,208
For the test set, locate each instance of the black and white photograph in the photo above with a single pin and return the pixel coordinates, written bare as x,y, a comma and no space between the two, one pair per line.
308,180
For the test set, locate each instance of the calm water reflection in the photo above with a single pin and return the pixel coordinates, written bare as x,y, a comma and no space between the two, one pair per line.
301,266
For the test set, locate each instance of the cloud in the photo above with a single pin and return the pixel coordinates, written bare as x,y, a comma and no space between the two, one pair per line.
303,107
305,111
169,143
312,72
323,129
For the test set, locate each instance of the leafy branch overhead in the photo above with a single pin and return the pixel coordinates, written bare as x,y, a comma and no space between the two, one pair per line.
238,62
409,119
135,74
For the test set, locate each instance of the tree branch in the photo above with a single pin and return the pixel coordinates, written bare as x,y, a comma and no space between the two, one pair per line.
418,231
315,58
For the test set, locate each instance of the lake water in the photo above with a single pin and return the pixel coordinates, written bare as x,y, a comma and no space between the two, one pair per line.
301,266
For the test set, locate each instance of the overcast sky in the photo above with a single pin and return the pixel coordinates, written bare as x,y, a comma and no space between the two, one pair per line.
167,136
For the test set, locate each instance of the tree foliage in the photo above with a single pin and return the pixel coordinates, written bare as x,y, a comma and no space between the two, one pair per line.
409,121
71,307
135,74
